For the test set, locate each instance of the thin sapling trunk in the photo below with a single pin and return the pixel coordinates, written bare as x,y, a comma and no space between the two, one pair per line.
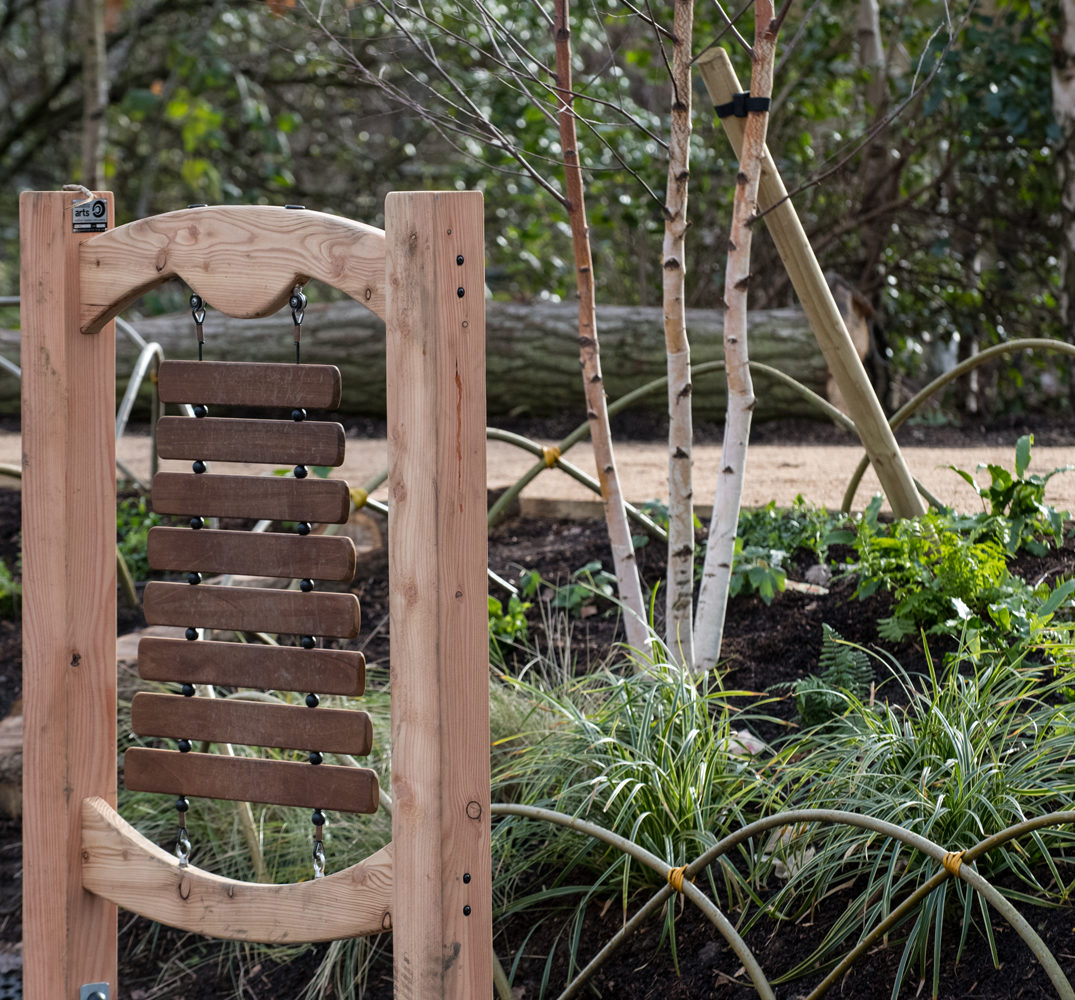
679,598
717,572
619,533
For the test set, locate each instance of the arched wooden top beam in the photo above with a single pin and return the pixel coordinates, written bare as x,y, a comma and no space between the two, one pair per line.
241,259
120,865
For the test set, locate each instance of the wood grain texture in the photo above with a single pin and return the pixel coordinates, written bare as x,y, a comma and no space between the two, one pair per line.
247,553
244,665
122,866
231,439
437,563
250,779
252,609
69,606
324,501
250,383
251,723
243,260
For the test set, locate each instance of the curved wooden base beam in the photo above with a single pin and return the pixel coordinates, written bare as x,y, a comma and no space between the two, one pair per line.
122,866
242,259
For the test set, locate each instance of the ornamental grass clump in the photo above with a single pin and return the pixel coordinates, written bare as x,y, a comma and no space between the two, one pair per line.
651,755
972,752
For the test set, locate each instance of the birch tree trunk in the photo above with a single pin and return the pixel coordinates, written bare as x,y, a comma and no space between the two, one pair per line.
679,585
619,533
716,574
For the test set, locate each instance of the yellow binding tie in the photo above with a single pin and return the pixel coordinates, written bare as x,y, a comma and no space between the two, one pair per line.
675,877
551,456
359,497
952,861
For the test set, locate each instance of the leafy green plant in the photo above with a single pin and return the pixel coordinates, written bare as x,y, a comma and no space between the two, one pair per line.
843,670
10,593
587,583
1016,514
507,626
802,527
769,536
133,521
936,572
981,748
757,570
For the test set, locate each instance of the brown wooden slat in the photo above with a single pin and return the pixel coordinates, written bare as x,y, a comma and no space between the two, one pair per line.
250,383
251,609
318,557
247,779
239,664
325,501
229,720
231,439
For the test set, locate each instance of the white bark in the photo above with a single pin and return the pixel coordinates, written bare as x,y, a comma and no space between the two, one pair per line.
679,585
716,574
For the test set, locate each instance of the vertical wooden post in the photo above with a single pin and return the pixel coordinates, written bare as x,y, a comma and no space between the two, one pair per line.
442,922
69,604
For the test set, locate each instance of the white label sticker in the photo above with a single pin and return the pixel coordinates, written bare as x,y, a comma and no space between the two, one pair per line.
89,216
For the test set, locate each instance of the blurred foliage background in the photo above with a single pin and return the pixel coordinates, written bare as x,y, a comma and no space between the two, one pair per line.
922,153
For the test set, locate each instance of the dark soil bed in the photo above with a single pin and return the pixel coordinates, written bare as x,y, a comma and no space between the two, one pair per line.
766,648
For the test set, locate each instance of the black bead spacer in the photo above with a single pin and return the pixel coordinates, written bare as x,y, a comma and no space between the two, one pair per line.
315,757
318,818
459,259
198,467
304,527
300,472
466,911
181,804
187,690
197,522
184,746
191,633
466,878
460,291
298,414
307,642
306,586
201,410
312,701
194,579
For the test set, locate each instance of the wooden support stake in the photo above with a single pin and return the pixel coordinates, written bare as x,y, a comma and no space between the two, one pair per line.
818,304
437,563
69,603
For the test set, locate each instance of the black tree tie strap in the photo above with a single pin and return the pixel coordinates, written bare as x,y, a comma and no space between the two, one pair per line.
740,104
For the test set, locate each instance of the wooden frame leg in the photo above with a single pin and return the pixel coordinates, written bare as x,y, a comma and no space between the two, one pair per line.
442,922
69,604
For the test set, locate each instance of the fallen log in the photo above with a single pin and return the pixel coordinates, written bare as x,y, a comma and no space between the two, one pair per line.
532,355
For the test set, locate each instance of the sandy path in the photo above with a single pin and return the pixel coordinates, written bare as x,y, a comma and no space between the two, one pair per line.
774,472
